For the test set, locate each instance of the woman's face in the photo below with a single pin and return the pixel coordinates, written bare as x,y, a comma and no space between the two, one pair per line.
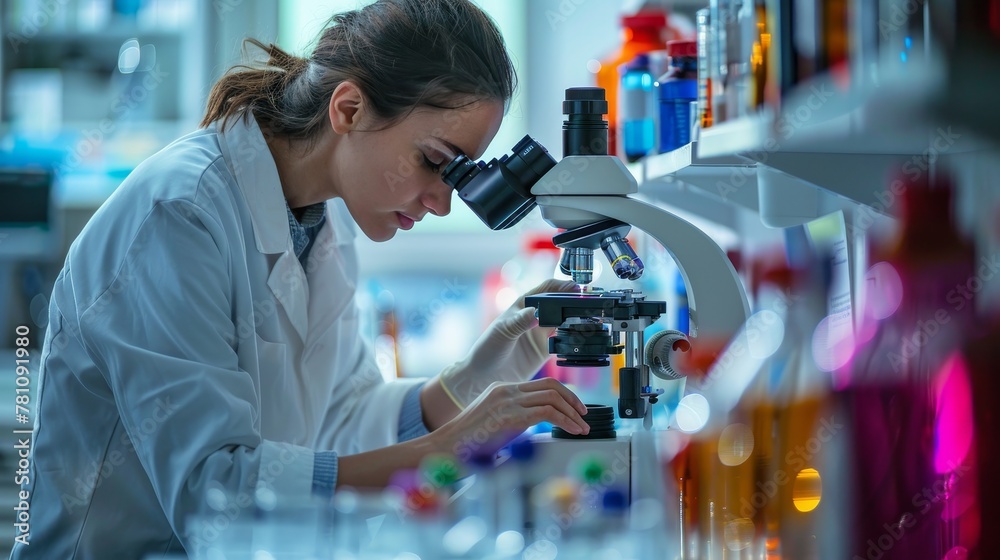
390,179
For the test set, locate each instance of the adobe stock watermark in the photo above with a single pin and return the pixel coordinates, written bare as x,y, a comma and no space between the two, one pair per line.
913,169
898,15
223,7
408,165
960,296
796,460
786,127
203,534
485,438
454,119
757,338
922,503
33,23
588,500
99,472
69,331
420,319
121,106
963,294
563,12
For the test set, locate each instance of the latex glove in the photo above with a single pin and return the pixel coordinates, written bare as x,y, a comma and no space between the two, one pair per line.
505,410
511,350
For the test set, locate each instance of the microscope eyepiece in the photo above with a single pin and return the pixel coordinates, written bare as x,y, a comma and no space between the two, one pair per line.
499,192
585,132
461,170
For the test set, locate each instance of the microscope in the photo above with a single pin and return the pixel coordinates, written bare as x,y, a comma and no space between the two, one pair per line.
587,195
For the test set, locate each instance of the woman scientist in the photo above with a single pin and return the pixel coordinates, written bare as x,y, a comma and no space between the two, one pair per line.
203,335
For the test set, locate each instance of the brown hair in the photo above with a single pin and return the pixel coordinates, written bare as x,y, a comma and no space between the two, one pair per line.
402,54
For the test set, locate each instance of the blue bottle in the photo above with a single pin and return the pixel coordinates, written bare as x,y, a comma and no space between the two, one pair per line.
637,111
678,89
683,318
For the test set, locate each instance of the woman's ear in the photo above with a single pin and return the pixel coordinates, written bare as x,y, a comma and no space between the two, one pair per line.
347,107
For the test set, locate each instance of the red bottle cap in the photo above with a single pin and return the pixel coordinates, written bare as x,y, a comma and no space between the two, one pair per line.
645,20
682,48
540,243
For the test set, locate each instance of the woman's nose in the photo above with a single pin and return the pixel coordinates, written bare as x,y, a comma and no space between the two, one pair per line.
438,199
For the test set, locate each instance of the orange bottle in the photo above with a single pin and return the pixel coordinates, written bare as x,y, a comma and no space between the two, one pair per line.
644,32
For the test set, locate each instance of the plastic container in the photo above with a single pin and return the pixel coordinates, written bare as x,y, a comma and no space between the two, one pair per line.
682,321
705,38
642,33
678,89
719,14
659,64
638,109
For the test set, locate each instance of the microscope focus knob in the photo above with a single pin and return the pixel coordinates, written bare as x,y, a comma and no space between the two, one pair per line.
661,352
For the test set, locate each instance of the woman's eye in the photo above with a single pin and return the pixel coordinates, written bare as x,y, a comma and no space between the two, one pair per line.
433,167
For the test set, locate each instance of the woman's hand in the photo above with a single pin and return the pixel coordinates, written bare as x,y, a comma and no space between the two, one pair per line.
512,349
505,410
500,413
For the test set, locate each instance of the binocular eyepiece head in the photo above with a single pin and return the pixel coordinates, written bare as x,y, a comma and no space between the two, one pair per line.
499,192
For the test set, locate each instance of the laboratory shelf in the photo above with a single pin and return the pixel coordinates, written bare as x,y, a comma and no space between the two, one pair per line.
892,117
727,178
846,145
973,78
682,158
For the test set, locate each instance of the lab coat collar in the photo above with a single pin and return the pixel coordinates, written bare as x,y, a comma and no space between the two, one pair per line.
249,158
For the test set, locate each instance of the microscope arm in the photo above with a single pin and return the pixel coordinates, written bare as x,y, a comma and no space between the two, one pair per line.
716,299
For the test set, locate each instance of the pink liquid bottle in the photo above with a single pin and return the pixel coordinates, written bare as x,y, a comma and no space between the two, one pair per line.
906,395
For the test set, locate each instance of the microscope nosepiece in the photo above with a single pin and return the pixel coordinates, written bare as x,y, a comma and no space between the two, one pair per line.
578,262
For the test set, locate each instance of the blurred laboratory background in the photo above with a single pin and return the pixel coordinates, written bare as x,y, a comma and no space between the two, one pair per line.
811,140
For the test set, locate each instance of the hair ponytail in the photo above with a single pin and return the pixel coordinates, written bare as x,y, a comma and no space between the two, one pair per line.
259,89
401,54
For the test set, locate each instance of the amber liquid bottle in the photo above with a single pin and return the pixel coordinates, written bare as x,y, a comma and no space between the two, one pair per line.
747,489
760,54
792,437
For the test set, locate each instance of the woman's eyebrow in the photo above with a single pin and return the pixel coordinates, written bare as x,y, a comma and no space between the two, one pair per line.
455,149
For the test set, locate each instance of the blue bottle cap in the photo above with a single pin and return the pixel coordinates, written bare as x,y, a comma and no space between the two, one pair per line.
523,450
481,460
614,501
639,63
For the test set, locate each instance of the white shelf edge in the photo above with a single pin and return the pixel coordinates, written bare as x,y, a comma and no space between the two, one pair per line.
893,117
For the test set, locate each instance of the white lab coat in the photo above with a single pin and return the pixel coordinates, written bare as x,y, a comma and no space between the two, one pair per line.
187,351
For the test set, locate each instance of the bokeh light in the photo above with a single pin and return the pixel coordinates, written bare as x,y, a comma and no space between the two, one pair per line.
884,291
957,553
509,543
832,345
692,413
460,539
807,490
735,444
764,332
953,429
505,297
128,56
739,534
